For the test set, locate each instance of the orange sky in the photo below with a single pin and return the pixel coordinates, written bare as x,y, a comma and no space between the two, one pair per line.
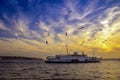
94,26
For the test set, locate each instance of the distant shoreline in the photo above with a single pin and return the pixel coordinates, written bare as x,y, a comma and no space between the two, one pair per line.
19,57
33,58
111,59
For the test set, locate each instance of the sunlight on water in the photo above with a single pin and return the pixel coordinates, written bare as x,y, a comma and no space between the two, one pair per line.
106,70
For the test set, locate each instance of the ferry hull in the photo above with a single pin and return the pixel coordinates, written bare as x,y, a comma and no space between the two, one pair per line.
72,58
72,62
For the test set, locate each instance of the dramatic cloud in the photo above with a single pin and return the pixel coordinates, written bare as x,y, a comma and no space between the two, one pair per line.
26,25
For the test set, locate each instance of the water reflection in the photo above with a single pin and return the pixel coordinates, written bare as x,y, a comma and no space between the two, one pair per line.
106,70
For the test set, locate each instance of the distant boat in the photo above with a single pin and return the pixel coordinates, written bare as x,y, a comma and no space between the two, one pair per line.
72,58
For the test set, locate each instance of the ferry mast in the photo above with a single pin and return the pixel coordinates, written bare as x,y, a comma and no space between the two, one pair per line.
67,50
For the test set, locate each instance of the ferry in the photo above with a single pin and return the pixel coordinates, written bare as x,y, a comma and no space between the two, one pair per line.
72,58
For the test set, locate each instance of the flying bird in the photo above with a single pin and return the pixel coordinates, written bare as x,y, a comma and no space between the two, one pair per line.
69,11
66,34
82,42
81,27
100,29
92,39
46,42
104,41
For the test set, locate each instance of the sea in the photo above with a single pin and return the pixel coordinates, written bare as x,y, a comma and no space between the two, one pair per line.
39,70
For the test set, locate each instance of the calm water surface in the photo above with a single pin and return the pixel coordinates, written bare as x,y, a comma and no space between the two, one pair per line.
36,70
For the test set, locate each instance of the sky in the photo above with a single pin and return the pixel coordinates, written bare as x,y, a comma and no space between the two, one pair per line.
37,28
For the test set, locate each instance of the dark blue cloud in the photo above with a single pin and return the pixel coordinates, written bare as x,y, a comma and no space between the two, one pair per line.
37,11
6,34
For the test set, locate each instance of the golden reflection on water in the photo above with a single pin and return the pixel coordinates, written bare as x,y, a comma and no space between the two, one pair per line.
111,71
105,70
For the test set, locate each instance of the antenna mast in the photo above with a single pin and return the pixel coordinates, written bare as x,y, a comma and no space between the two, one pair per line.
67,44
67,48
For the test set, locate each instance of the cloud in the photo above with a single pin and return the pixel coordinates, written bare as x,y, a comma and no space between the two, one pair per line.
32,23
3,27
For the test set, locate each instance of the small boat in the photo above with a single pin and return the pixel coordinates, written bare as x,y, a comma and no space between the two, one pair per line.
72,58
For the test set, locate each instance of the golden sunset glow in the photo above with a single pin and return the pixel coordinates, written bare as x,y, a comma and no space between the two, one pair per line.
95,27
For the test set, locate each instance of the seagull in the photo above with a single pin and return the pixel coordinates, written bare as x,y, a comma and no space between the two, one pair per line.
82,42
81,27
104,41
69,11
66,34
46,42
94,38
100,29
